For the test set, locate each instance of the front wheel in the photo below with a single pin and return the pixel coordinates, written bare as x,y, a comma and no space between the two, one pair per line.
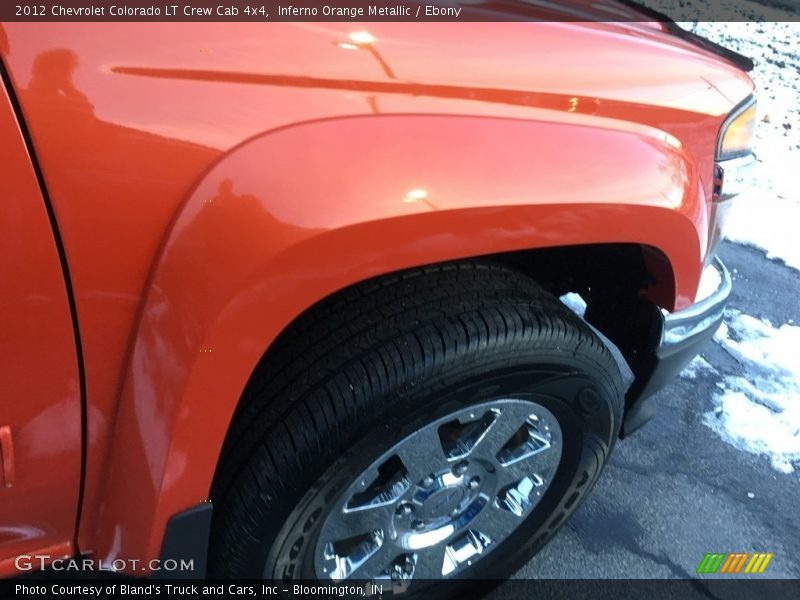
440,425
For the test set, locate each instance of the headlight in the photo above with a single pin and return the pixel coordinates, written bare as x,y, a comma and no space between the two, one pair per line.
736,134
733,167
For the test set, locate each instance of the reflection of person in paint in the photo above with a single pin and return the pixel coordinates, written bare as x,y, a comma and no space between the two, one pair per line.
61,109
230,223
215,248
225,192
64,111
117,185
52,75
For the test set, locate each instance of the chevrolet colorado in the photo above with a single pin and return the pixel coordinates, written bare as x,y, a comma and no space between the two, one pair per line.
285,297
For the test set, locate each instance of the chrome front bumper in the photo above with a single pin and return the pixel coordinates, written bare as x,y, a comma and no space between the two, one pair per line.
736,176
683,332
682,327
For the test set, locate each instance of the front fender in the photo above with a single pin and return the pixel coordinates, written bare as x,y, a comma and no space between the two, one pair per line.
296,214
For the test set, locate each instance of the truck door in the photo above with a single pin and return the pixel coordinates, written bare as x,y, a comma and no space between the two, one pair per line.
40,391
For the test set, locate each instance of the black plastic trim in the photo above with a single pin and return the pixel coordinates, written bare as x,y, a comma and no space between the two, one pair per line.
740,60
683,334
186,538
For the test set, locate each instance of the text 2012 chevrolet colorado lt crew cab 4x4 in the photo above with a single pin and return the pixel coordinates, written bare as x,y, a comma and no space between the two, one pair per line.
286,296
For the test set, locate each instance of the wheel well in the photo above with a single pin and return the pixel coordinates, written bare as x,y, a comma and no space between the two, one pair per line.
622,284
617,281
363,370
598,271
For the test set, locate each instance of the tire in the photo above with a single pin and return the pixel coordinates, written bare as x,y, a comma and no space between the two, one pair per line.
359,385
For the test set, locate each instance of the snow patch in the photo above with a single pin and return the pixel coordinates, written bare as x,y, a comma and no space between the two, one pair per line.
698,366
760,413
574,302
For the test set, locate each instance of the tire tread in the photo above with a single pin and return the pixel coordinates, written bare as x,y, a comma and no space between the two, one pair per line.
363,343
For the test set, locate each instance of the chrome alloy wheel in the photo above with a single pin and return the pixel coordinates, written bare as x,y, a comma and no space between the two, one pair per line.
444,496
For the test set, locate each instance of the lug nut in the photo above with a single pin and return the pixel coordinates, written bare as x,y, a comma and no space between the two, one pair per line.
404,509
428,481
460,468
417,525
474,483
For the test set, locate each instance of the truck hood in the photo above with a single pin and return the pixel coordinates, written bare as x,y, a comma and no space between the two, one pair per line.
560,10
606,73
611,10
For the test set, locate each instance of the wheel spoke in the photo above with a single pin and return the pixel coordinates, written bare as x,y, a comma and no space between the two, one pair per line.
495,522
542,464
422,455
443,496
463,551
377,564
507,423
346,524
465,433
383,488
429,562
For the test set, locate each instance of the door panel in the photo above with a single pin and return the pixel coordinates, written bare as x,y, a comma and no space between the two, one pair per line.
40,414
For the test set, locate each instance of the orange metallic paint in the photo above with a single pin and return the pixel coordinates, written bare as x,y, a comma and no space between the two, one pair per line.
40,418
212,183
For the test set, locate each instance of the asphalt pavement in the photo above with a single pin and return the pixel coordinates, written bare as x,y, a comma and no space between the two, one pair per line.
674,490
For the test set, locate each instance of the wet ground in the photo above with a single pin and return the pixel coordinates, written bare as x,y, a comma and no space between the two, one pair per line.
675,490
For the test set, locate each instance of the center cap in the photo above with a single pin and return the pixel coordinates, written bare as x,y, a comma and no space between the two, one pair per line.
442,502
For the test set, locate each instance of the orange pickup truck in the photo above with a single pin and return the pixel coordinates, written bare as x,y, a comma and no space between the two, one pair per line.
284,301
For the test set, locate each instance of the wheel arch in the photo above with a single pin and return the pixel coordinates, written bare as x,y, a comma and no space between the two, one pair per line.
260,240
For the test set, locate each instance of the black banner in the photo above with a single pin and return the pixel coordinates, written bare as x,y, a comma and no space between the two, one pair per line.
522,589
